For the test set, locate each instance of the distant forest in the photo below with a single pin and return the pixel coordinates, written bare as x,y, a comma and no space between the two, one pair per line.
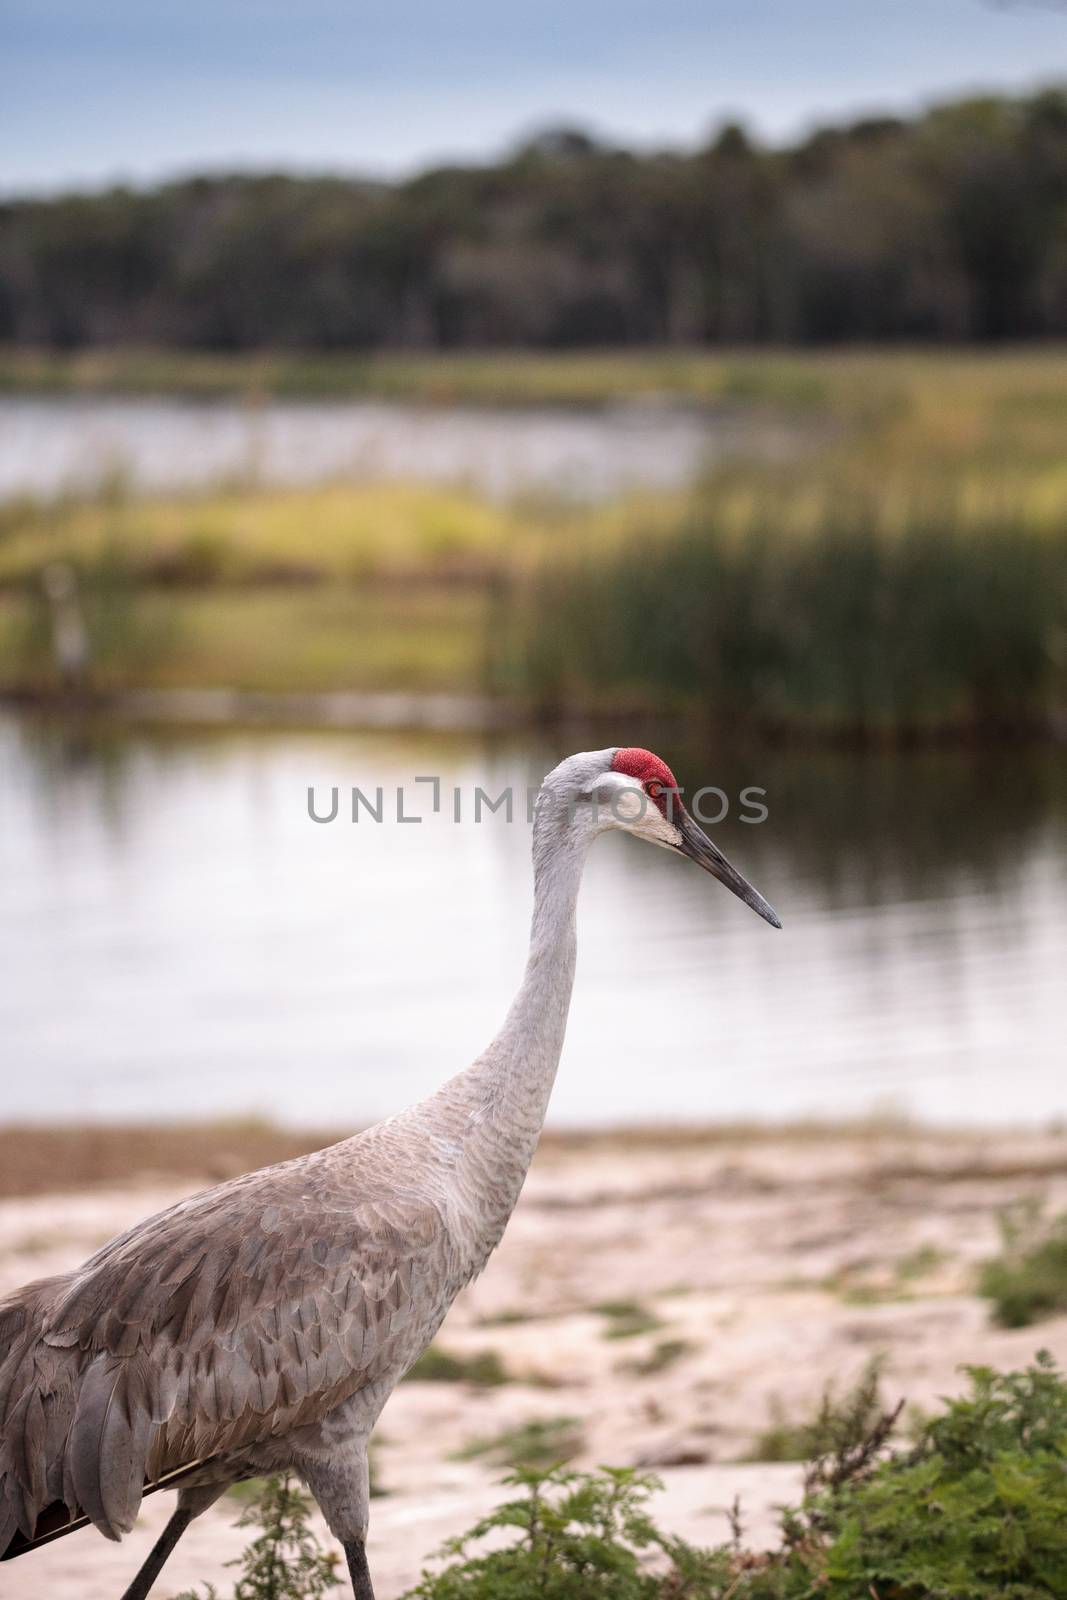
948,226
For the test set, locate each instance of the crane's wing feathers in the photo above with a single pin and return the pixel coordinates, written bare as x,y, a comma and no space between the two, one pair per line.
232,1317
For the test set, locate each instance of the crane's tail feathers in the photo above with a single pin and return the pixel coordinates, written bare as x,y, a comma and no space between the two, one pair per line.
55,1520
109,1441
76,1429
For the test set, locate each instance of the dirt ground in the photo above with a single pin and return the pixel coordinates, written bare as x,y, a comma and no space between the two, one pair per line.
671,1295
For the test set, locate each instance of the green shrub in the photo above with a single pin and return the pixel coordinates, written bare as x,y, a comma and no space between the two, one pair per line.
975,1510
573,1535
1028,1280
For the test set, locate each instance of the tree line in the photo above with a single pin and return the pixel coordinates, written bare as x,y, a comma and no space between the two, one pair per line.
951,225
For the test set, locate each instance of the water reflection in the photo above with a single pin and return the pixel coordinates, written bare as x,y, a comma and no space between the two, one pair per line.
182,940
55,445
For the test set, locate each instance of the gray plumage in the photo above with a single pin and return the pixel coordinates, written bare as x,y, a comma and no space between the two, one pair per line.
263,1324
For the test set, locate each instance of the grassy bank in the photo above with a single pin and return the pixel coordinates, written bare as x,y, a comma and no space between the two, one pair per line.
383,587
345,587
846,382
907,577
248,537
310,641
493,378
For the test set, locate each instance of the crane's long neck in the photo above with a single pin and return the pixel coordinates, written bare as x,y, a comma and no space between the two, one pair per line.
496,1108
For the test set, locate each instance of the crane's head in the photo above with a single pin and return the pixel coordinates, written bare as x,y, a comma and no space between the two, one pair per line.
634,790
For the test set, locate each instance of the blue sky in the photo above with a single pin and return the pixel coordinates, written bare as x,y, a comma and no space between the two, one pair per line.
95,90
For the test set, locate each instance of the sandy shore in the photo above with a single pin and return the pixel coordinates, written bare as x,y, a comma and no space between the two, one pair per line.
760,1268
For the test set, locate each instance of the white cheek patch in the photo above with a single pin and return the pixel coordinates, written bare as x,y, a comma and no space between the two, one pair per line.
629,806
657,829
622,802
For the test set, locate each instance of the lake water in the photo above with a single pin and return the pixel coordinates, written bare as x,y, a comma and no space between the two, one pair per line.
180,939
50,446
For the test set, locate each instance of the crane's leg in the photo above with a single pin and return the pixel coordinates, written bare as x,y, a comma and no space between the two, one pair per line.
356,1553
158,1554
192,1500
336,1471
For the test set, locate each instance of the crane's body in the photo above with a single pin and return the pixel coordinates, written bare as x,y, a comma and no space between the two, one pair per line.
263,1324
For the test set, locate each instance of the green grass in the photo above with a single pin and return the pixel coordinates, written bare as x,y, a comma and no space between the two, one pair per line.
919,1263
302,640
436,1365
626,1318
869,1282
499,378
237,538
1011,382
540,1444
383,587
665,1353
1027,1281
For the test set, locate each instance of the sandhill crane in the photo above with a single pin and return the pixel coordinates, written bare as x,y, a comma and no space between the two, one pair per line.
263,1324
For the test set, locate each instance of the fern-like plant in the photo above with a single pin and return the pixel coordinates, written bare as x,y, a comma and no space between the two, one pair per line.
285,1561
572,1536
976,1509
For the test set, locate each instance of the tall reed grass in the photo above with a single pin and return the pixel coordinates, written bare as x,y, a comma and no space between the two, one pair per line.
828,607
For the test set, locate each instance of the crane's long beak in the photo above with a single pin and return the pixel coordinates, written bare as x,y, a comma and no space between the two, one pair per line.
698,847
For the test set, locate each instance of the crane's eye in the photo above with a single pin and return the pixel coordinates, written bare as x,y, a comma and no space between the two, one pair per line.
654,789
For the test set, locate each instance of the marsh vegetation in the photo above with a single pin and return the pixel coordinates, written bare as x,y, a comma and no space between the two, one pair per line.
907,576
